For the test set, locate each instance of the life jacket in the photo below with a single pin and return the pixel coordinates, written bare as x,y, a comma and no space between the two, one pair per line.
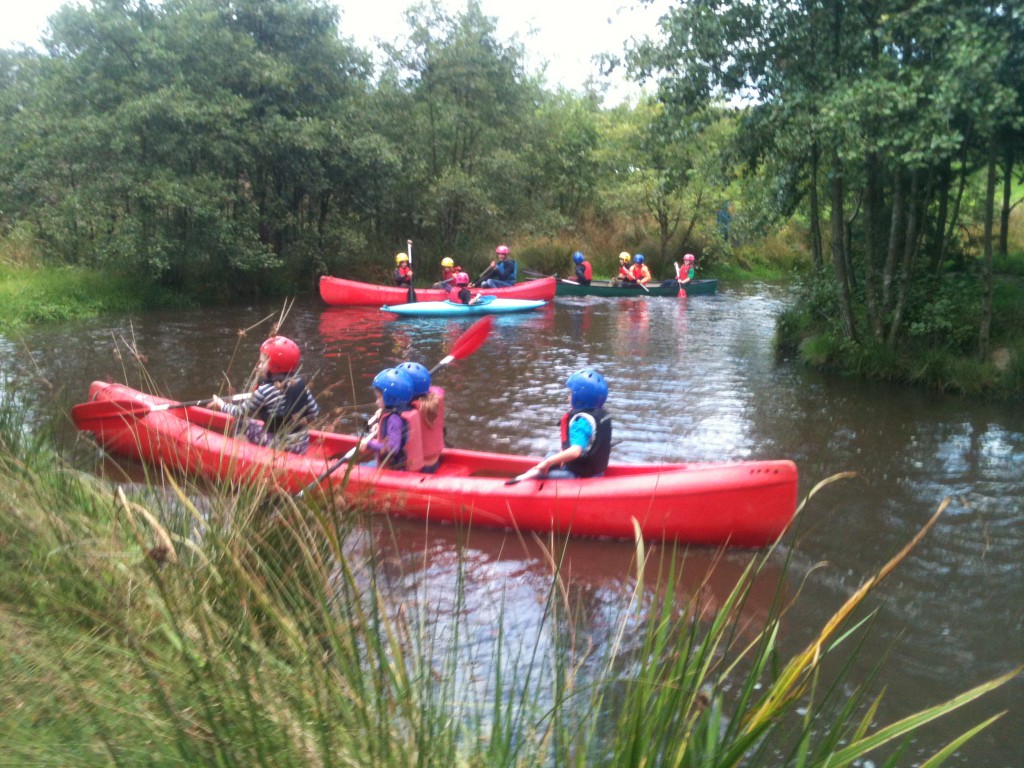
403,275
448,273
594,460
625,272
641,271
410,455
290,408
584,273
506,270
432,435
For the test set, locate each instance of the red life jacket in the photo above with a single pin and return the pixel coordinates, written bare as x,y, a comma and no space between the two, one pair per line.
588,273
403,275
432,436
625,272
641,271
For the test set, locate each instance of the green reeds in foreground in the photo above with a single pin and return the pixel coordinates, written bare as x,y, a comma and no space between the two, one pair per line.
136,629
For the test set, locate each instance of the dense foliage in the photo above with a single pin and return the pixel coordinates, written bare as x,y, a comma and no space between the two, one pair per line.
878,114
230,147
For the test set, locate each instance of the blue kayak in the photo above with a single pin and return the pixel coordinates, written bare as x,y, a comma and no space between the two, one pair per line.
488,305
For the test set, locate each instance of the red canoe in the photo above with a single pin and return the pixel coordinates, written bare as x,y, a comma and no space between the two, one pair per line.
346,293
747,504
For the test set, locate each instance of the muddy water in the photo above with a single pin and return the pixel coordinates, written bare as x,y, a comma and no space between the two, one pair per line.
690,379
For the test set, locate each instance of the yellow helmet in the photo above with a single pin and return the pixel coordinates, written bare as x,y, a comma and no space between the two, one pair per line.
400,257
448,262
625,257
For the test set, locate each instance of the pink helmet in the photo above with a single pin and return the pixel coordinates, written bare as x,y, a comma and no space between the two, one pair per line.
501,250
282,354
689,257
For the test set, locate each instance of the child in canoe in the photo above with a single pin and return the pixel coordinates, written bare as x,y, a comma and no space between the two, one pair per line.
624,278
586,430
584,272
448,270
465,295
403,271
687,271
429,401
394,437
281,407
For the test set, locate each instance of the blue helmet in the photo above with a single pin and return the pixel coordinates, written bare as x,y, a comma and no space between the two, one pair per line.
589,389
420,377
639,258
395,386
578,257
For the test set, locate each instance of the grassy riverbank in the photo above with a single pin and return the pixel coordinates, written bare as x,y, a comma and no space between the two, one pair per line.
33,294
939,353
138,628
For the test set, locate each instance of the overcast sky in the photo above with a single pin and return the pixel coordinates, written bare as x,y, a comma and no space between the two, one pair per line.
564,33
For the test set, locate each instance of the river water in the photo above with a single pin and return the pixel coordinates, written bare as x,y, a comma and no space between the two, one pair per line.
691,380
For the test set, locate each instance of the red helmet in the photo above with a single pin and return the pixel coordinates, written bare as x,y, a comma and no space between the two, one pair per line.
282,354
501,250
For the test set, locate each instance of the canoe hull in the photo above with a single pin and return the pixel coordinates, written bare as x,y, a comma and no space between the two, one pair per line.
666,288
497,306
339,292
746,504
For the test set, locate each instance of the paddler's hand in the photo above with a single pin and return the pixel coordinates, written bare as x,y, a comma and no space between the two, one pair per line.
216,404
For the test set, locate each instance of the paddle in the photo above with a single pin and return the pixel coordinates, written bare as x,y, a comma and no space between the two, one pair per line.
531,273
92,413
485,273
469,342
529,474
412,294
682,291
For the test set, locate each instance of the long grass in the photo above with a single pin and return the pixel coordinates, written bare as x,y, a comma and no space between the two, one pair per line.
138,627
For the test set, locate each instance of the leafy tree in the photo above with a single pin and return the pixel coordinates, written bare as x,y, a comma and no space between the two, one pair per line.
202,142
882,103
467,120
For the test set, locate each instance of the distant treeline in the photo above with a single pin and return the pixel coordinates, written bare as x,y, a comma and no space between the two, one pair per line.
250,146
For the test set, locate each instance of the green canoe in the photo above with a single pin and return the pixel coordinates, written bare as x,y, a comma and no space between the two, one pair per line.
665,288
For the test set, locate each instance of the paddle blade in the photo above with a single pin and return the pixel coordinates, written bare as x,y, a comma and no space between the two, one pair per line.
89,416
473,338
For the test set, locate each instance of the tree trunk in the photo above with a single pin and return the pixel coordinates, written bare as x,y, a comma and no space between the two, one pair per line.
938,249
1004,211
986,264
816,251
892,252
872,221
838,251
954,217
910,241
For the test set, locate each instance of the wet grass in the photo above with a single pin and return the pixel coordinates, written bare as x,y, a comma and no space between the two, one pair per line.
138,628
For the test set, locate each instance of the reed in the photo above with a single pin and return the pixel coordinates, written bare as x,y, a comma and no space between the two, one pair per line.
157,625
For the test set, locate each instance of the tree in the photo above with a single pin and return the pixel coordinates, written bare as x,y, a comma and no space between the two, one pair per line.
881,99
194,140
